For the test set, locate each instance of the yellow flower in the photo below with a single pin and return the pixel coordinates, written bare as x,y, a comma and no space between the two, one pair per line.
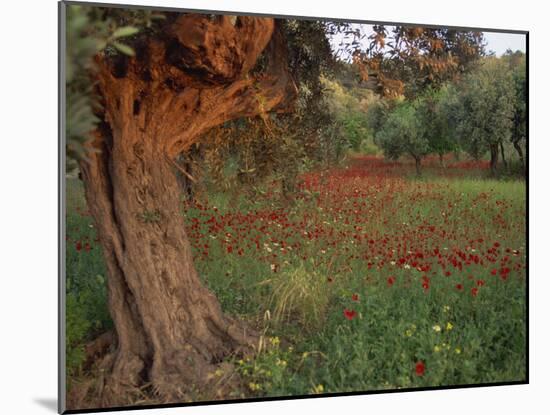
318,389
241,362
437,328
437,349
218,372
449,326
446,308
254,386
408,333
274,341
458,351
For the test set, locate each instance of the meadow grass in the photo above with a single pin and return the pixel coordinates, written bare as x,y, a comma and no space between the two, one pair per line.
362,278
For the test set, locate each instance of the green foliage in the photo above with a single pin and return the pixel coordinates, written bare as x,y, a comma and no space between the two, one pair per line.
402,133
80,115
350,106
78,327
486,107
268,373
434,109
90,30
517,64
86,309
377,114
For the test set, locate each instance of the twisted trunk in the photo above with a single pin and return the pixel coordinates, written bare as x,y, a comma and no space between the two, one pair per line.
170,329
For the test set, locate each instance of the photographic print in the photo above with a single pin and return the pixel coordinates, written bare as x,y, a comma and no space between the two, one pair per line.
258,207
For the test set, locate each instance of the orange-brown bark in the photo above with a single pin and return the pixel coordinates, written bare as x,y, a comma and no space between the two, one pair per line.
170,329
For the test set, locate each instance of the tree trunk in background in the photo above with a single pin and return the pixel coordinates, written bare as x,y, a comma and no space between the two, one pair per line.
441,163
494,159
170,329
503,156
519,150
186,174
418,165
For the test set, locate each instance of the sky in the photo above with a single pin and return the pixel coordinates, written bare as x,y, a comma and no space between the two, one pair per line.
496,42
499,42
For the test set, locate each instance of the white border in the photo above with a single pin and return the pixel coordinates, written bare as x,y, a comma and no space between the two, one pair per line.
28,227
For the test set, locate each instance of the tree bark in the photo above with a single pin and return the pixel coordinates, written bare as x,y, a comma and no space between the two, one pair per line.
504,162
519,150
418,165
170,329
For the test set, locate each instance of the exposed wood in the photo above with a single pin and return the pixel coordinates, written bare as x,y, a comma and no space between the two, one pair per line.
170,329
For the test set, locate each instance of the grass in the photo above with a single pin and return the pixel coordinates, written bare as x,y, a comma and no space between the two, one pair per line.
369,273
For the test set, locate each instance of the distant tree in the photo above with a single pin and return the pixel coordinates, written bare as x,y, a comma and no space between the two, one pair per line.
517,62
377,114
434,111
349,107
401,133
487,109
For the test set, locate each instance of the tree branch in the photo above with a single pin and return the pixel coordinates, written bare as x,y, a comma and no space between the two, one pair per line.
196,76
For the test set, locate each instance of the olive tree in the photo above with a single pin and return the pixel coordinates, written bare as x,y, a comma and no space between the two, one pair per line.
401,133
486,110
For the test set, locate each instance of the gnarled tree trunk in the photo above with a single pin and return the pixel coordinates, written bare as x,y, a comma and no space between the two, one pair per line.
170,329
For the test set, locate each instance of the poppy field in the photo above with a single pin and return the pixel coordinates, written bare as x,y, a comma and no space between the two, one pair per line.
371,279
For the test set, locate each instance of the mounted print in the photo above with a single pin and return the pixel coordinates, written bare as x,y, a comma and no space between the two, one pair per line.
258,207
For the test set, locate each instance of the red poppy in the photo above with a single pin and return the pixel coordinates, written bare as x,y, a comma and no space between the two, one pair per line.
494,272
426,286
87,247
420,368
355,297
474,291
78,246
391,280
447,273
459,287
480,283
229,249
349,314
